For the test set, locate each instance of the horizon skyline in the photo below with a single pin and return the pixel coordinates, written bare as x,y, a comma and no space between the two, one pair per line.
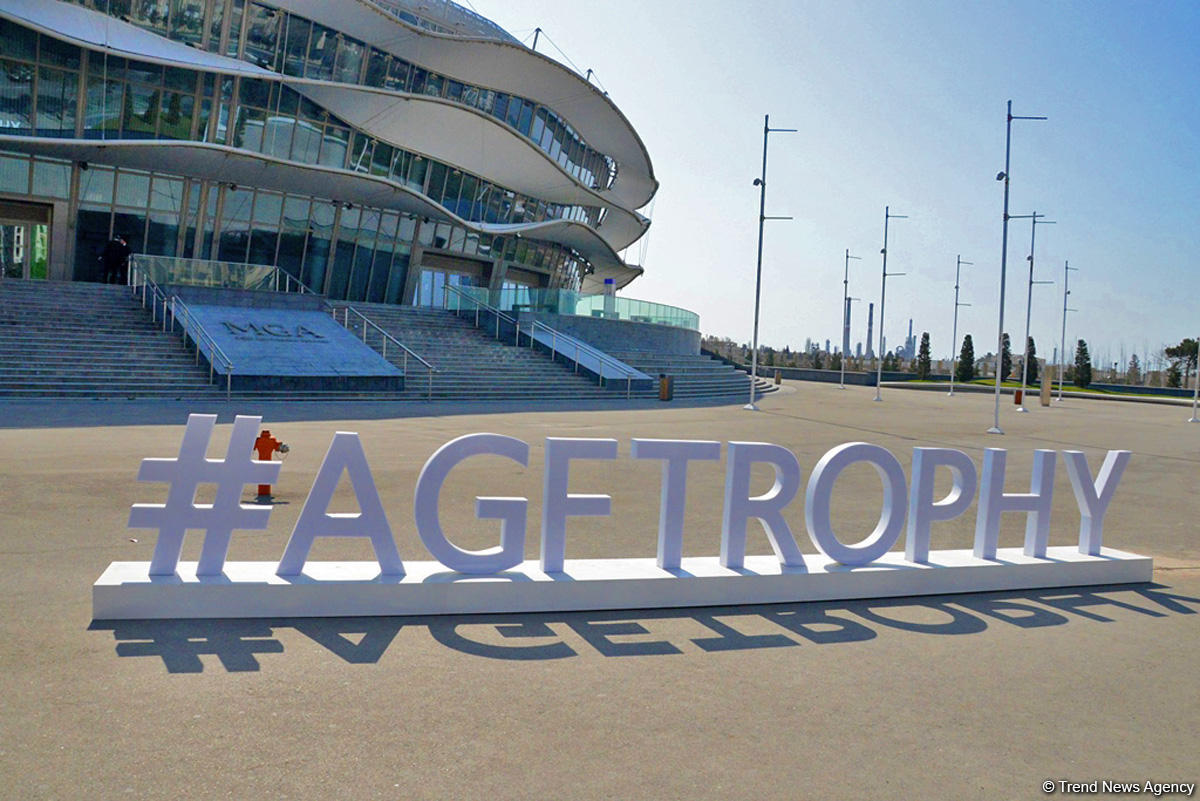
903,106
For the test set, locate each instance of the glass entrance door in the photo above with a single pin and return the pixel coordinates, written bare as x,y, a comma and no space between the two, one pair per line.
431,291
23,249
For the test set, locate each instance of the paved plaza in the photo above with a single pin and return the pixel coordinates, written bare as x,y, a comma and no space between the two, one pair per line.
966,696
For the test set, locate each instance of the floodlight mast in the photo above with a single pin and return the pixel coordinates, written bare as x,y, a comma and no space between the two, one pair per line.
954,336
761,183
1004,176
1062,365
1029,300
887,215
846,316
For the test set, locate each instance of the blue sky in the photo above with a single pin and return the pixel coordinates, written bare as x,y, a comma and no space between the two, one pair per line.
902,104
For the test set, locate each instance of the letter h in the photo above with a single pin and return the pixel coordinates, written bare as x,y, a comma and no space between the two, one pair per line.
993,501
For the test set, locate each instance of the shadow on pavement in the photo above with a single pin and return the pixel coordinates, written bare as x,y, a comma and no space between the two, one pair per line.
524,637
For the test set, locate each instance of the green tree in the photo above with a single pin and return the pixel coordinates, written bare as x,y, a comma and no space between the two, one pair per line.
1133,375
174,109
964,371
835,361
1005,357
1031,375
818,362
1185,352
924,365
1174,378
1083,365
150,115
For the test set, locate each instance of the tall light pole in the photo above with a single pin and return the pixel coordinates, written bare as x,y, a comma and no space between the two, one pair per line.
1195,399
761,183
846,315
887,215
954,336
995,429
1029,299
1062,366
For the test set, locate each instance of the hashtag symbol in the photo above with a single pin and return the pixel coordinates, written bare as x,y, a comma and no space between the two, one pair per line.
184,475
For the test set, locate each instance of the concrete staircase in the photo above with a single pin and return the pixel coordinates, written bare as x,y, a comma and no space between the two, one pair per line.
471,364
696,377
67,339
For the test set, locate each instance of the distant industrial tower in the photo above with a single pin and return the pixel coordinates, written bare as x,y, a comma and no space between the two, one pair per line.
870,330
846,329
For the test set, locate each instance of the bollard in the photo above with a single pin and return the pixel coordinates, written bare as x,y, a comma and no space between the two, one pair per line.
666,387
1018,396
265,446
778,377
1046,384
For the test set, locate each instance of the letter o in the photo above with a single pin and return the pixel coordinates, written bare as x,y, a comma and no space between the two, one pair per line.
891,519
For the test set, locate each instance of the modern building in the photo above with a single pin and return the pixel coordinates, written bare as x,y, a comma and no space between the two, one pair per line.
376,150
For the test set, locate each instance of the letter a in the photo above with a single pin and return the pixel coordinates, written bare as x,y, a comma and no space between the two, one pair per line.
345,454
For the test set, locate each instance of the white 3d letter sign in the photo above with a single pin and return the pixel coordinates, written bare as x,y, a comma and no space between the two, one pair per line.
501,579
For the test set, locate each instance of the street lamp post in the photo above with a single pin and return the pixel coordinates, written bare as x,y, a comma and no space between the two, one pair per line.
761,183
1062,366
887,215
846,315
1195,399
954,336
1004,176
1029,301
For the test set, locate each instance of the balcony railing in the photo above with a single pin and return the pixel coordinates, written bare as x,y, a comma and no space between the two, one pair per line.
173,270
563,301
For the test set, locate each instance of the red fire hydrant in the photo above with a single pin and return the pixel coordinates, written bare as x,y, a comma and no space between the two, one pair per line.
265,446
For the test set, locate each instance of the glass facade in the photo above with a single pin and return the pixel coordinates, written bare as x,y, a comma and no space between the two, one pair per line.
49,88
288,43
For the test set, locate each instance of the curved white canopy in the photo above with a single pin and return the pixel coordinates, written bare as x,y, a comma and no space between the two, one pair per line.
203,160
473,141
92,29
503,67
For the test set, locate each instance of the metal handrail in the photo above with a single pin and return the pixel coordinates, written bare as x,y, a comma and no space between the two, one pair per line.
157,296
386,337
479,304
201,336
582,347
289,280
170,312
579,347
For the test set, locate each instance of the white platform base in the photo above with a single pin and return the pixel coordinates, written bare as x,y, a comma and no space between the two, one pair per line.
336,589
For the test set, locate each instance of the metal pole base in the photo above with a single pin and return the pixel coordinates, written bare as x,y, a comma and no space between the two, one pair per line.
750,407
994,430
1022,410
1194,419
950,394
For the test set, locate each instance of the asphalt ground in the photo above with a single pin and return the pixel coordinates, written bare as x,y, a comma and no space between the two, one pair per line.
963,696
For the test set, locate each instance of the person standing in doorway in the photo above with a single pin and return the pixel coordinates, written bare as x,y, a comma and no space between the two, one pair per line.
115,259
